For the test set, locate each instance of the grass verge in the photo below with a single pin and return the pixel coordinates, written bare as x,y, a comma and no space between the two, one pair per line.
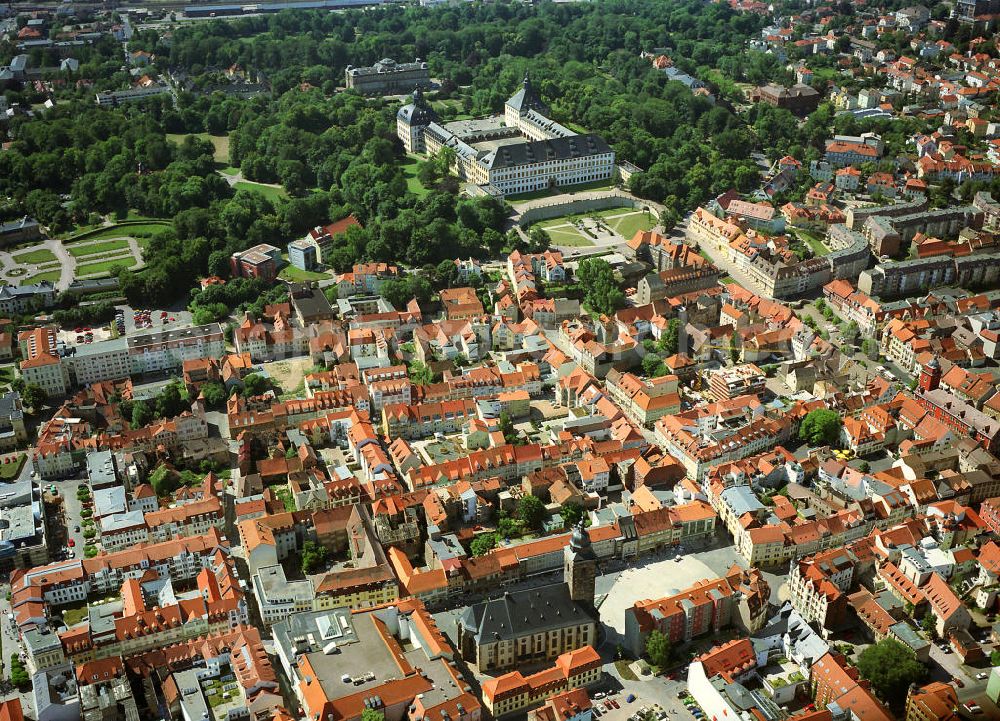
271,193
79,251
50,275
34,257
104,266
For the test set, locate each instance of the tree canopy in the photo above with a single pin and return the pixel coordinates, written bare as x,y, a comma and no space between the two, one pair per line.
531,511
821,426
891,667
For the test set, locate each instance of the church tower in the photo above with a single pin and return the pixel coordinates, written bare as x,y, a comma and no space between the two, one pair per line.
580,566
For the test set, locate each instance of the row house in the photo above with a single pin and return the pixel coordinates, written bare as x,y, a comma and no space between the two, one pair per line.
709,606
644,401
818,586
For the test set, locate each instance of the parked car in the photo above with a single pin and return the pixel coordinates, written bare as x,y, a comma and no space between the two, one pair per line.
982,675
973,708
959,682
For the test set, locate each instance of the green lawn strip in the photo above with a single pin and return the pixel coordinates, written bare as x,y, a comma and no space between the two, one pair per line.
532,195
135,215
630,225
122,230
560,237
296,275
271,193
229,170
79,251
34,257
413,184
815,243
49,275
104,266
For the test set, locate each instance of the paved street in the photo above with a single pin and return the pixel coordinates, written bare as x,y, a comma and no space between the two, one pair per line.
11,645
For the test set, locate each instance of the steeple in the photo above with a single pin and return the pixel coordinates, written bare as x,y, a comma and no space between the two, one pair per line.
526,99
580,566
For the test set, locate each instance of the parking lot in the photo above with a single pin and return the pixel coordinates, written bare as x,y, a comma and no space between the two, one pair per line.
659,696
127,320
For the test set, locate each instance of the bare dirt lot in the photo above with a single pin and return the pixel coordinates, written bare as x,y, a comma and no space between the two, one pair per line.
288,373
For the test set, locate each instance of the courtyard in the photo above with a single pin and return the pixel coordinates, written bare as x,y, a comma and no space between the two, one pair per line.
597,228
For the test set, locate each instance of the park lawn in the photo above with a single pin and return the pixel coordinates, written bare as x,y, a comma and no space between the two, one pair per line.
34,257
274,194
105,266
631,224
813,242
79,251
229,170
413,183
219,142
49,275
136,215
7,374
74,615
123,231
569,236
532,195
10,471
296,275
584,187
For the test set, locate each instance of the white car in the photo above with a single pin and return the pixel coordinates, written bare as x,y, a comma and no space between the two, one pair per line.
982,675
973,707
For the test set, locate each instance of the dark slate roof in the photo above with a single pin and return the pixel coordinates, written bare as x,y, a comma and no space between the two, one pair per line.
526,99
418,112
540,151
520,613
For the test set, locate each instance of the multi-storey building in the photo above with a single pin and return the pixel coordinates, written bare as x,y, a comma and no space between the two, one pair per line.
819,584
425,419
727,383
42,365
392,658
644,401
387,77
514,692
741,597
260,261
549,154
537,624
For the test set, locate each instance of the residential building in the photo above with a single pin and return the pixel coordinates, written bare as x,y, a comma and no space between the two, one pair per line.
740,598
514,692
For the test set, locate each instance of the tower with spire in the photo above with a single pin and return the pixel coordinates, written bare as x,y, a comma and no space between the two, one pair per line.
412,119
580,566
521,102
